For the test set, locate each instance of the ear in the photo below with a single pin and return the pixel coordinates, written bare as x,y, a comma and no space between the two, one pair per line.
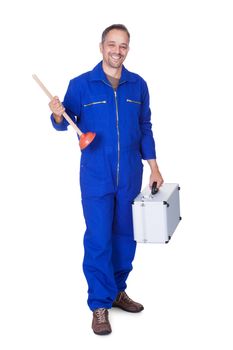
101,47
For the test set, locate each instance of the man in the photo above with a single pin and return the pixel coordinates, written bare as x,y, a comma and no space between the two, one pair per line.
113,103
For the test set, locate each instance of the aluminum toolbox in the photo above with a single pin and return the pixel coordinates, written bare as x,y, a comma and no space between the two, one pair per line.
155,217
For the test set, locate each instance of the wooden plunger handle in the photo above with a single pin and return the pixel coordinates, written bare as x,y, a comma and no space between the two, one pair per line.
50,96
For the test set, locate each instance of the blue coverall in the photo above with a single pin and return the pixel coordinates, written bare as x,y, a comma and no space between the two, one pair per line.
110,173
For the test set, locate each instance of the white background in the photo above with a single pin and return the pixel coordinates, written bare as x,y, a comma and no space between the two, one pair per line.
183,49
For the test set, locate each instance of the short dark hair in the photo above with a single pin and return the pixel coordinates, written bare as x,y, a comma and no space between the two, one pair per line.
114,26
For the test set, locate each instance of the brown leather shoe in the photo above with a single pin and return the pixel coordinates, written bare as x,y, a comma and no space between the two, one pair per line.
124,302
100,322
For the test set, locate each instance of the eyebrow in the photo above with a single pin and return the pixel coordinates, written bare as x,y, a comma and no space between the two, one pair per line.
113,42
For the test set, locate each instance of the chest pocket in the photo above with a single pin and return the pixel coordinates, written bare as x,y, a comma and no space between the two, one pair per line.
132,116
94,112
133,106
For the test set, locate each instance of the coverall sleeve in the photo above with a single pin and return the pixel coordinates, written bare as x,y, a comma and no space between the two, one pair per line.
147,140
72,106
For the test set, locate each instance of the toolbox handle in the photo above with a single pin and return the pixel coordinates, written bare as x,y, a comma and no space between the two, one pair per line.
154,188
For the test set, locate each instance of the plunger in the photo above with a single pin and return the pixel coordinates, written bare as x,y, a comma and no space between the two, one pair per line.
85,139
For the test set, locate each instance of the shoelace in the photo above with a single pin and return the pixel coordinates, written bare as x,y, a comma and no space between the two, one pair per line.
100,314
125,297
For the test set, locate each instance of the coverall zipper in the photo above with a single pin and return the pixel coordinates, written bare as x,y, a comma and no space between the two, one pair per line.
133,101
118,139
118,131
94,103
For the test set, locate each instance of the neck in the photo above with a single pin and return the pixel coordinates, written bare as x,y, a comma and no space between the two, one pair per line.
113,72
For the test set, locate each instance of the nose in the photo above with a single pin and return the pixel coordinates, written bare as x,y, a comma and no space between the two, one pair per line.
117,49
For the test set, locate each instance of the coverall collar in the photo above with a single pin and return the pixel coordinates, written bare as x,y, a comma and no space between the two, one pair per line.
98,74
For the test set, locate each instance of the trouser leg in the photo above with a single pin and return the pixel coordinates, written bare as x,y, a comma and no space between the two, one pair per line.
124,246
97,263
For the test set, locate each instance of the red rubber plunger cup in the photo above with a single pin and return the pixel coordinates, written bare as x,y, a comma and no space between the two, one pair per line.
86,139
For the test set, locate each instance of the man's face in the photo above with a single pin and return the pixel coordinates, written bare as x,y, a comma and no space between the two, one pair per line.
115,48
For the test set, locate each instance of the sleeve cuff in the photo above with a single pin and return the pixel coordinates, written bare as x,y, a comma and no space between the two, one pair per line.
149,156
59,126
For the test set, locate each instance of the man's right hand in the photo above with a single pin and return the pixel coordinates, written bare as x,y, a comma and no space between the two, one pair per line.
57,108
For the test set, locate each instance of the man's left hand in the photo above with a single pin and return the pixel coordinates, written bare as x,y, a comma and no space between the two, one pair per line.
155,176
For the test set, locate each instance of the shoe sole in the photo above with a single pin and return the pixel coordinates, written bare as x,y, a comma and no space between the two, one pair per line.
102,333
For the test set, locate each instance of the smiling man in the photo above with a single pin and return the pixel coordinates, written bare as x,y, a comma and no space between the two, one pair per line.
114,48
114,103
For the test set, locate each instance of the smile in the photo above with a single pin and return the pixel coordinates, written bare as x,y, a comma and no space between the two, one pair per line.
115,57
